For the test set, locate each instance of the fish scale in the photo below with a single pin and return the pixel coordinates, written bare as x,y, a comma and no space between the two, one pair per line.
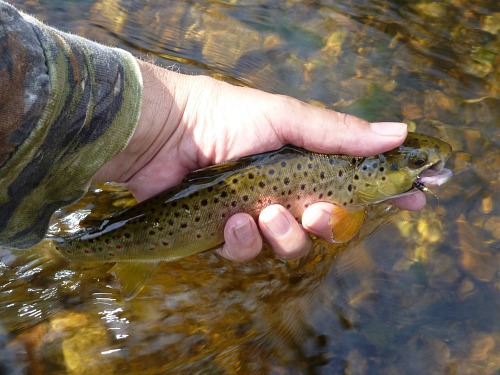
190,217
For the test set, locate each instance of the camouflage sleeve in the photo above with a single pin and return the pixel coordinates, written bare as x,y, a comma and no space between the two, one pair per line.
68,105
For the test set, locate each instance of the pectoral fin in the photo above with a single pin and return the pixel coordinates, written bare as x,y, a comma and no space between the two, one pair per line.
345,223
132,276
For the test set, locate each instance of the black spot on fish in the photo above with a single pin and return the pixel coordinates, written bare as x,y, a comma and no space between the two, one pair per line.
330,193
349,187
126,235
289,192
170,222
235,180
288,206
381,169
184,225
299,166
204,202
106,240
374,165
275,188
223,194
216,200
151,233
310,166
164,243
233,191
353,160
383,178
345,203
210,189
311,158
302,187
369,174
250,176
356,177
321,196
271,171
198,235
197,219
283,163
365,167
352,200
245,198
322,175
306,173
176,214
332,161
233,203
298,197
185,206
341,173
262,184
286,180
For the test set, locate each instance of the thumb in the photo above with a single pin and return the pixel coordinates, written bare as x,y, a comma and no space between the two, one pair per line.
323,130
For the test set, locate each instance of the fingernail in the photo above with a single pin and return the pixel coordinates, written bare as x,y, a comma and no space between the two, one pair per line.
243,231
389,128
278,225
320,219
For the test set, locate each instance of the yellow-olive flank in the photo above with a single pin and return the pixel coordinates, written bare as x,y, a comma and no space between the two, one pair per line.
190,217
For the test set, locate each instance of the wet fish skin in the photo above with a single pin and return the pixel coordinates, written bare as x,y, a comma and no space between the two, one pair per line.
190,217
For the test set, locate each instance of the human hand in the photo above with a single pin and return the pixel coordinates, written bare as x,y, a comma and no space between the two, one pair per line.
190,122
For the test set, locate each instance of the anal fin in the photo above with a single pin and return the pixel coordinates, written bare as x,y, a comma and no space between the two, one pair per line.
132,276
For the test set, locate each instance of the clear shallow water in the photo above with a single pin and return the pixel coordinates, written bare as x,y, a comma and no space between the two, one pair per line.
421,295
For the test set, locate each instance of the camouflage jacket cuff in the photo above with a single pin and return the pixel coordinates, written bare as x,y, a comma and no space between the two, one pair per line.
68,106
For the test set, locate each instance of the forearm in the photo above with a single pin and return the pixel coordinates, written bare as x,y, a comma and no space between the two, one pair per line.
68,106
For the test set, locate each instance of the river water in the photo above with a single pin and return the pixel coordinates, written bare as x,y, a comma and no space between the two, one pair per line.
420,295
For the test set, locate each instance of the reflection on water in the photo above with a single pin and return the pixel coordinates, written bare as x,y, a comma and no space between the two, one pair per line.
421,295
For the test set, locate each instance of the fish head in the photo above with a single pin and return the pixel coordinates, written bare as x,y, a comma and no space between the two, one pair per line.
417,163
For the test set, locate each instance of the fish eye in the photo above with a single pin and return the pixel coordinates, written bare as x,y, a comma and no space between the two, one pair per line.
418,158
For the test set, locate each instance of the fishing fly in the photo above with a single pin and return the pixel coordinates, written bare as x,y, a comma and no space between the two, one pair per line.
420,186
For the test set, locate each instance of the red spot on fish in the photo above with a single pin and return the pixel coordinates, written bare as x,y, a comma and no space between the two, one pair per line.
119,246
165,243
111,254
87,251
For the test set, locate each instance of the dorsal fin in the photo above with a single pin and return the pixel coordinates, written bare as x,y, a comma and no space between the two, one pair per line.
208,174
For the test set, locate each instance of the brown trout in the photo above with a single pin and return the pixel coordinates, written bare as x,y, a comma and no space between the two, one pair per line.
190,217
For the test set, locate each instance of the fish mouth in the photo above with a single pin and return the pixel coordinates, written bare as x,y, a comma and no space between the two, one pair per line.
435,175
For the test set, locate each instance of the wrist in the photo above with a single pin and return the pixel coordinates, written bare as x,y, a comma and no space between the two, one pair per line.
160,115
